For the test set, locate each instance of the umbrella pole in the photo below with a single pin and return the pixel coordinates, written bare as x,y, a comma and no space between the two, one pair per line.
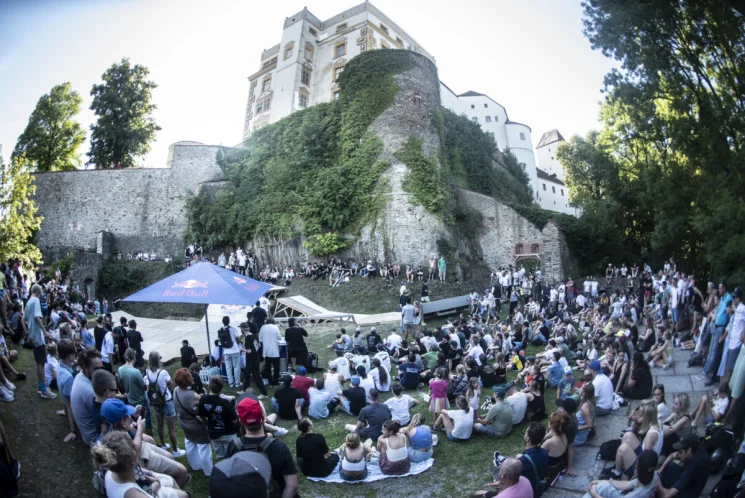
209,341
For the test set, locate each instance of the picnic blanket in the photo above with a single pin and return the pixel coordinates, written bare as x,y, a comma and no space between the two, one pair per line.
374,473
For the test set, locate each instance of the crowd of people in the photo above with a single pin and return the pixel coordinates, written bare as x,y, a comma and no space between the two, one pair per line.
596,349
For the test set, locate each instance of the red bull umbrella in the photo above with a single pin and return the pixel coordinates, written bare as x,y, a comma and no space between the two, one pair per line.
203,283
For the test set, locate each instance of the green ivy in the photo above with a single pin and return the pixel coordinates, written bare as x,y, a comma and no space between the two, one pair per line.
423,179
325,244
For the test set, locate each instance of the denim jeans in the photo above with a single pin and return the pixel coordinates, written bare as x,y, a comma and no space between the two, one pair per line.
715,351
233,367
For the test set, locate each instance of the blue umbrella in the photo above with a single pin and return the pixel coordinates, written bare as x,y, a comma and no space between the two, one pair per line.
203,283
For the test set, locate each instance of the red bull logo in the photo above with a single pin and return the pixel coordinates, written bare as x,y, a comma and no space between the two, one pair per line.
239,280
190,284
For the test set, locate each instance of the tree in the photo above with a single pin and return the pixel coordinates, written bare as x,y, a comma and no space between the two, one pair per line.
18,219
51,138
125,126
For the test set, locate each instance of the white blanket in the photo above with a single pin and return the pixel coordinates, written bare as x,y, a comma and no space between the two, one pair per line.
374,473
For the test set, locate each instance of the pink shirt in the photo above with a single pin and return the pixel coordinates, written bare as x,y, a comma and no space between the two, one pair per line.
439,388
522,489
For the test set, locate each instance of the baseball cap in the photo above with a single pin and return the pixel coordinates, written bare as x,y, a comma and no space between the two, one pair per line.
355,380
301,370
357,329
500,392
689,440
568,403
333,365
249,411
245,473
567,370
243,325
113,410
646,465
595,365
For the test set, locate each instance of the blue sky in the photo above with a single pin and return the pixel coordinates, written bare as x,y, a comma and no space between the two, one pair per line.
528,55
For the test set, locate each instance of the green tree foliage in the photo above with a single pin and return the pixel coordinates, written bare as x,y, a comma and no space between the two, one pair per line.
18,219
668,165
423,179
125,126
51,139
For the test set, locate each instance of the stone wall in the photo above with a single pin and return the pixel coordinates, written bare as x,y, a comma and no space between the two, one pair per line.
85,270
144,209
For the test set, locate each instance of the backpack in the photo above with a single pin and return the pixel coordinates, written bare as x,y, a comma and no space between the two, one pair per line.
540,484
608,449
226,340
154,395
260,448
313,360
696,360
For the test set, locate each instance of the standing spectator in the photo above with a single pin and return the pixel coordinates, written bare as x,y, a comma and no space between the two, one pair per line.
297,350
284,472
442,267
120,333
134,338
65,373
107,350
135,386
734,337
251,346
188,355
228,337
38,336
259,315
82,395
270,337
196,436
162,381
220,416
721,319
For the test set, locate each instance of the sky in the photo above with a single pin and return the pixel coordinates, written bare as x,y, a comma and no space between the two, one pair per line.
530,56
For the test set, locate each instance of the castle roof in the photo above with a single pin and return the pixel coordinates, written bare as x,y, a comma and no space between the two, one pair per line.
550,137
545,176
471,93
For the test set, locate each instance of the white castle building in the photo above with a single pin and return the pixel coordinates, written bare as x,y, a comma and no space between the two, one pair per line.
552,193
303,69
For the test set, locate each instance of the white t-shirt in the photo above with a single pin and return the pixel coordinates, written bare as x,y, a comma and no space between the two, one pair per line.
50,369
367,383
720,405
475,352
385,359
236,349
331,383
587,285
107,347
400,408
738,323
603,391
581,300
393,340
264,303
462,422
662,412
163,378
342,366
519,404
674,297
270,337
594,286
375,374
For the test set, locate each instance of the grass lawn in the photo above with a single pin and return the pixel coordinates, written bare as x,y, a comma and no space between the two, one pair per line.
52,468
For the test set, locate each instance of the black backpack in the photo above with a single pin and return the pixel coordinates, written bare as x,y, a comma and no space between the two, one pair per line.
609,448
261,447
226,340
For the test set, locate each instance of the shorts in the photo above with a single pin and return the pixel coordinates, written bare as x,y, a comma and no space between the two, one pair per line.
220,445
367,433
168,409
488,430
732,355
675,314
709,419
40,354
455,439
158,460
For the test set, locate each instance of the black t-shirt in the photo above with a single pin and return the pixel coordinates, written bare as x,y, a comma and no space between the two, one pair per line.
279,455
690,484
135,340
259,316
252,345
310,450
188,356
357,399
286,397
455,356
219,414
99,333
488,375
374,414
372,341
409,374
404,300
294,337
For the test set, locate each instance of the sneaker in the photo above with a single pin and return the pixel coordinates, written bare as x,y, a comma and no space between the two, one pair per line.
281,431
178,453
666,366
48,394
166,447
239,391
651,364
610,473
9,385
261,396
497,460
6,395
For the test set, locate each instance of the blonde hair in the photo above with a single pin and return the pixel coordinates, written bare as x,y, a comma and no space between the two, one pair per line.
683,402
417,419
471,392
460,369
648,417
115,452
499,359
353,440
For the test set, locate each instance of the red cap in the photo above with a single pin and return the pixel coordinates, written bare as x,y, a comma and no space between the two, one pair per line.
250,412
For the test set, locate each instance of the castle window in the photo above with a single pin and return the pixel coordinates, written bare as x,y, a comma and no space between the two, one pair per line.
336,95
340,50
337,72
305,77
288,52
496,119
553,190
263,105
535,248
341,27
384,28
475,119
416,99
269,62
399,41
473,106
486,105
522,136
519,248
309,52
562,192
544,186
266,84
303,99
488,119
312,31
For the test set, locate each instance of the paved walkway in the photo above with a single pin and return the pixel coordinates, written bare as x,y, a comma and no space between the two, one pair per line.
677,379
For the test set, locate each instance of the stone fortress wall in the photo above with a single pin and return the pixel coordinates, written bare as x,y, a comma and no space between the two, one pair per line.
144,208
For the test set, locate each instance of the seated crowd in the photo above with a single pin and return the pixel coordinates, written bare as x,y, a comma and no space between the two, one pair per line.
595,354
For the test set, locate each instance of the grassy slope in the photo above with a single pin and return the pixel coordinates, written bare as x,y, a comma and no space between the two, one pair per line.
52,468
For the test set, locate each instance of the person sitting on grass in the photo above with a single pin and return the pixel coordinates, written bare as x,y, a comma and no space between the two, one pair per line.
354,458
288,401
313,455
219,415
393,448
321,402
409,373
400,404
353,399
420,438
712,410
498,421
534,458
458,424
371,418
